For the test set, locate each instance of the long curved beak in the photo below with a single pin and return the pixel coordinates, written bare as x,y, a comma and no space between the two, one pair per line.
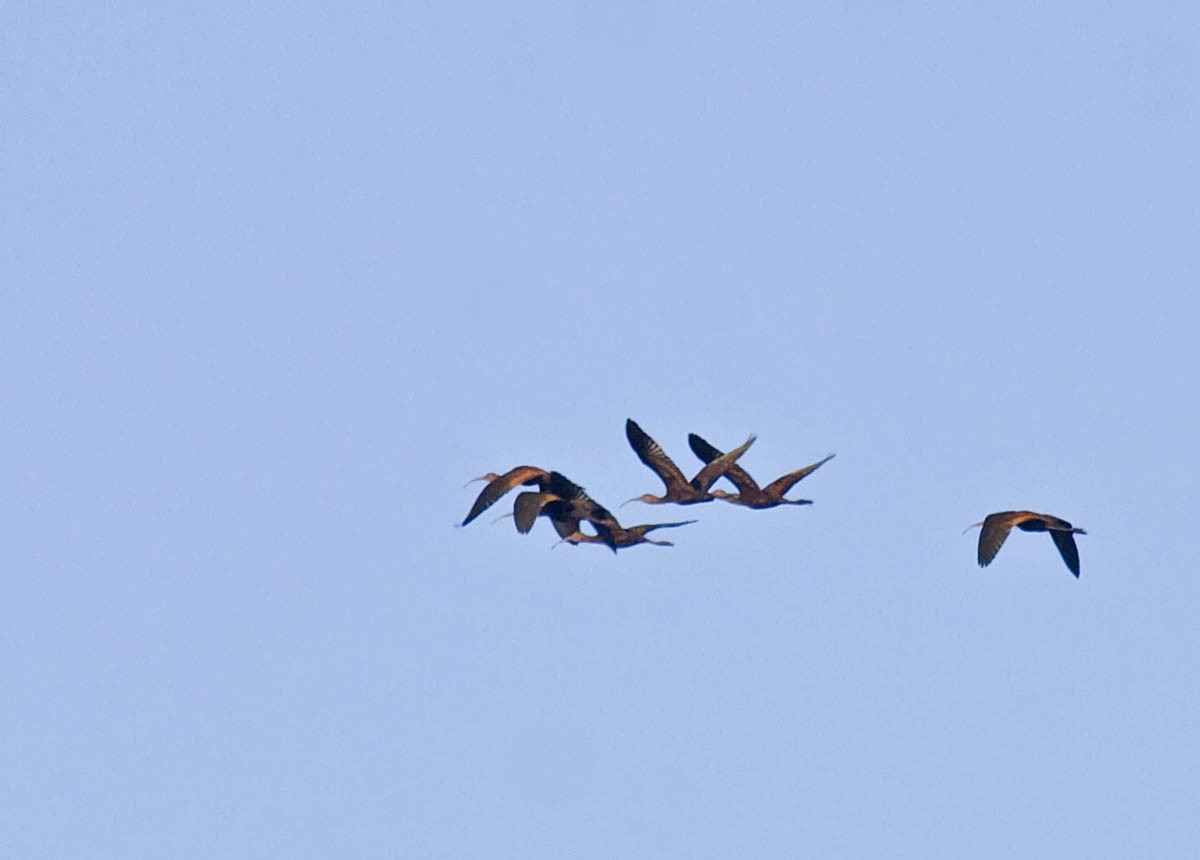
972,526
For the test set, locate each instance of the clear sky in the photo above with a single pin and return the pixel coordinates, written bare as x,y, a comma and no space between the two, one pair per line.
277,281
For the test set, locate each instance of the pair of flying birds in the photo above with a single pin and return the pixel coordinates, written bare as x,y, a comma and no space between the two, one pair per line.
567,506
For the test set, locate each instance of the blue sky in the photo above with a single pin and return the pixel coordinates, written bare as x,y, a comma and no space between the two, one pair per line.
277,281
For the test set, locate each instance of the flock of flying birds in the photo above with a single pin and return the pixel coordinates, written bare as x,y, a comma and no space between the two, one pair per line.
568,507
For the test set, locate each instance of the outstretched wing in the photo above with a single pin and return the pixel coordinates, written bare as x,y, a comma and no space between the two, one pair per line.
641,530
735,473
992,536
781,485
1065,541
527,507
498,486
718,467
652,455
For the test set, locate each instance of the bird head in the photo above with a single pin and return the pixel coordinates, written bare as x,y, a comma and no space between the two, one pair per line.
490,476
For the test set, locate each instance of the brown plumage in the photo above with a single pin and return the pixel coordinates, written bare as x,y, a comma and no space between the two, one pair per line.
498,485
680,490
749,493
995,529
619,538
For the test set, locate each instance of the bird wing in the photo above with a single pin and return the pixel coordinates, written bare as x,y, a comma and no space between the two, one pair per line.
718,467
565,522
497,487
1065,541
735,473
652,526
583,506
992,536
652,455
781,485
527,507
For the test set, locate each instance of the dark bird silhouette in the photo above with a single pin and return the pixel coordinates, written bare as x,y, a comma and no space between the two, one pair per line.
997,526
680,490
619,538
749,493
498,485
564,503
567,506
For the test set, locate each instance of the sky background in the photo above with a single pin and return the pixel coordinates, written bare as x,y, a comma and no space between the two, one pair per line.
277,280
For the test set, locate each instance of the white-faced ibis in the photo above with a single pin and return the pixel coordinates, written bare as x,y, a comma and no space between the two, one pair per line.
680,490
749,493
997,526
619,538
498,485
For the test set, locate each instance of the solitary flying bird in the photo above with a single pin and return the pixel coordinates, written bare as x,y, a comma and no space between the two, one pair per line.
680,490
749,493
997,526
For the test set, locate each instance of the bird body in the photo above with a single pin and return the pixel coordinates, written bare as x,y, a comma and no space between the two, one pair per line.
679,489
995,528
749,494
619,538
533,504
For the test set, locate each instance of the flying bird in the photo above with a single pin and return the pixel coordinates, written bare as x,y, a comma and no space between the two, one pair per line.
679,489
749,493
564,503
498,485
620,538
997,526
